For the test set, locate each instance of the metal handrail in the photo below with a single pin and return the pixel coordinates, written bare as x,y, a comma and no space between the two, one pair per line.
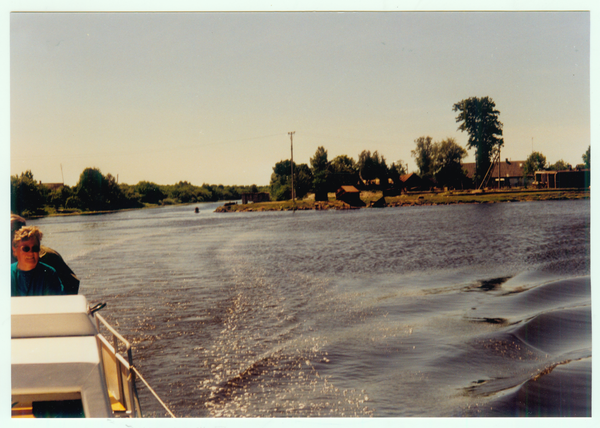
131,384
154,393
133,370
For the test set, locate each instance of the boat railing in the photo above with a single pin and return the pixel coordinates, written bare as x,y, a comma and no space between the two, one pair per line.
118,370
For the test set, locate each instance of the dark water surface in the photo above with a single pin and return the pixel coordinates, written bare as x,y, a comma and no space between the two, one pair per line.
463,310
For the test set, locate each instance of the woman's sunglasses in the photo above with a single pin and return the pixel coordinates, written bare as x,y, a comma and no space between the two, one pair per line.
27,248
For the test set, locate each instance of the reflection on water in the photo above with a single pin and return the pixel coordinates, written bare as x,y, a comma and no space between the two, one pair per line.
463,310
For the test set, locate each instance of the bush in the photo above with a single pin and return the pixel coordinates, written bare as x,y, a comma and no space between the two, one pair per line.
168,201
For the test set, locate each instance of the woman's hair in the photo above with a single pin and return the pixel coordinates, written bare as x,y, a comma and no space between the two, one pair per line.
16,222
26,233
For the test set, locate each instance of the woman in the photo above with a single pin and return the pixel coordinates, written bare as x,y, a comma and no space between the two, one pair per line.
49,257
30,277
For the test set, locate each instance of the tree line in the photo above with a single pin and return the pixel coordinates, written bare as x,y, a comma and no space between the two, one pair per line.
98,192
439,162
536,161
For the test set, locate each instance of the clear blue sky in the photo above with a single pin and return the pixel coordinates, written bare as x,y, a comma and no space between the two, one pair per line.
211,97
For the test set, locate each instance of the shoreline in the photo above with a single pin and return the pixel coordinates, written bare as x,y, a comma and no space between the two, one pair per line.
375,199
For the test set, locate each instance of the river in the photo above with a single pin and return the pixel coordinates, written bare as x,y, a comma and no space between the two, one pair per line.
436,311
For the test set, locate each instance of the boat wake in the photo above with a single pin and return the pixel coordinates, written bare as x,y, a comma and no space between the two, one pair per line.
545,346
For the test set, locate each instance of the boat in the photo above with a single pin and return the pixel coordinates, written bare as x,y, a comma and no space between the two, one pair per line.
63,366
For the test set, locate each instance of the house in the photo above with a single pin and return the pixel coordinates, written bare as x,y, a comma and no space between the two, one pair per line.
511,174
52,186
248,198
407,183
413,182
350,195
577,178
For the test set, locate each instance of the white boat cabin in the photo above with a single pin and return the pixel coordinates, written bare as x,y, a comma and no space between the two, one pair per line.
62,366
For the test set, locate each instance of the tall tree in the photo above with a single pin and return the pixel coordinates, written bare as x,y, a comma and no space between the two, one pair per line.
587,160
89,189
96,192
320,172
424,156
479,118
372,166
534,162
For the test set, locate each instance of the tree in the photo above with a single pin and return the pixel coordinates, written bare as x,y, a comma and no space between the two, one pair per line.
281,183
89,189
58,197
113,194
372,166
343,170
479,118
149,192
398,169
587,160
26,196
320,172
97,192
424,156
303,180
447,166
560,165
129,194
535,162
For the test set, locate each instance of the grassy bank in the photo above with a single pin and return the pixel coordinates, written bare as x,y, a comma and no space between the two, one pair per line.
415,199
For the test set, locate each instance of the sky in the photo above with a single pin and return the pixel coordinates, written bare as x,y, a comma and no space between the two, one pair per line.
211,97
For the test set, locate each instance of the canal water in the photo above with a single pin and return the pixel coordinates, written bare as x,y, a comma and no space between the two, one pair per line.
436,311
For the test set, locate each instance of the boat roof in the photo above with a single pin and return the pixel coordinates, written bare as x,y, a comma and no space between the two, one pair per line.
55,354
50,316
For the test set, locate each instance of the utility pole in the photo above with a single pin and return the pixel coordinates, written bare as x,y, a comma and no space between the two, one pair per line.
291,134
62,175
499,163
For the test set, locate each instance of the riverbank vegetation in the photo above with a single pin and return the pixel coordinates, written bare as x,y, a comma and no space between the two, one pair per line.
96,192
375,199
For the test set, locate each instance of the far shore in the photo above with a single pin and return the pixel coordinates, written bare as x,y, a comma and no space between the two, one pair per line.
373,199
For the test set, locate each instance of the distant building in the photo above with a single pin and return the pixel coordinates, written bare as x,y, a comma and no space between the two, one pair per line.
511,174
576,178
52,186
248,198
350,195
412,181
